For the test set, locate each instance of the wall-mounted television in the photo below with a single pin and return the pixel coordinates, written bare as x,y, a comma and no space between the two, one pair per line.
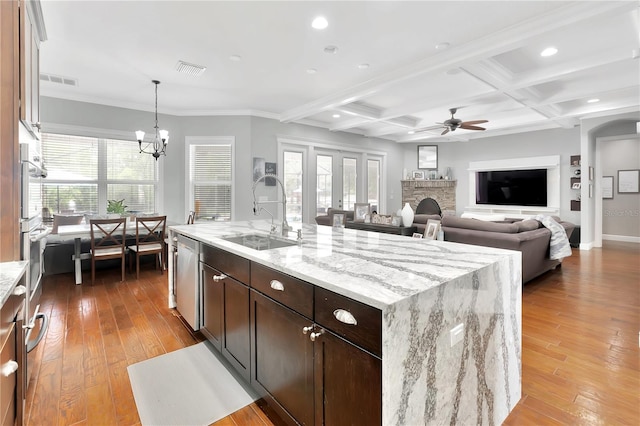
512,187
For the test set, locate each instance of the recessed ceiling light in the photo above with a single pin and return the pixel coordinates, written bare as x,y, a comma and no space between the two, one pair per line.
411,132
549,51
593,101
235,58
363,66
442,46
330,49
320,23
312,71
336,115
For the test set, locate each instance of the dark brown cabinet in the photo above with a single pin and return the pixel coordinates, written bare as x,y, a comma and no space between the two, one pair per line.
316,372
282,358
235,339
213,303
348,383
225,306
315,356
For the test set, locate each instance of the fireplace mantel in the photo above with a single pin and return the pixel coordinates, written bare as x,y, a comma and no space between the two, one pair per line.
441,190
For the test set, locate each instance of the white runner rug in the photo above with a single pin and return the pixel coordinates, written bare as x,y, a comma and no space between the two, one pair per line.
190,386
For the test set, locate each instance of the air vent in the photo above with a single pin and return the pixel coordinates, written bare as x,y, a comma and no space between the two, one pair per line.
191,69
58,79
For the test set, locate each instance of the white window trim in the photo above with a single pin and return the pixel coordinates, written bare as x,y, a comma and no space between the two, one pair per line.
208,140
308,146
99,133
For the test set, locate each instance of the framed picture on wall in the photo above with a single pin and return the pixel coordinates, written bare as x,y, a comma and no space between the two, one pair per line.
607,187
427,156
270,169
628,181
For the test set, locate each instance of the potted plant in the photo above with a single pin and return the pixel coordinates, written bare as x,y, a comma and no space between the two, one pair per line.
116,207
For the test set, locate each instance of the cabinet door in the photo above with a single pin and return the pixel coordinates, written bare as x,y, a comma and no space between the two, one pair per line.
213,314
236,341
348,383
283,357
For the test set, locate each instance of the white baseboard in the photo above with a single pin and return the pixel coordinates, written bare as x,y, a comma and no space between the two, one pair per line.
625,238
586,246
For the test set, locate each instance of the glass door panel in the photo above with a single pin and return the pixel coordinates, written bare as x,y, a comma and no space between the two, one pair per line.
324,185
373,184
349,182
337,180
292,174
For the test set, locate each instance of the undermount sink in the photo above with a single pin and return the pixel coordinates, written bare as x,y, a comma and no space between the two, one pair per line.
260,241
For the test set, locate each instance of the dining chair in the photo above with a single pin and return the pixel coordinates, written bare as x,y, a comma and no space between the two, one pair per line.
108,238
150,232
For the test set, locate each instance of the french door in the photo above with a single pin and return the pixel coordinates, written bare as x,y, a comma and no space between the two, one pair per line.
318,176
338,182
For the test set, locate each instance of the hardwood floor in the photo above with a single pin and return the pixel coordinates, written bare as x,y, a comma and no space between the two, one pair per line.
580,345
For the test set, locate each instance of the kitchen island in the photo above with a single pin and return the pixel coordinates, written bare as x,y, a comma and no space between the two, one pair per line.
450,332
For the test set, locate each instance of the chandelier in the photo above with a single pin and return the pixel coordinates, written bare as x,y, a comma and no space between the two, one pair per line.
159,144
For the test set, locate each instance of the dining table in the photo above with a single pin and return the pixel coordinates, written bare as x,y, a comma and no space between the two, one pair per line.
78,232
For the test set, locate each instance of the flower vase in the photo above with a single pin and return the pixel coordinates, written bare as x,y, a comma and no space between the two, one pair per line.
407,215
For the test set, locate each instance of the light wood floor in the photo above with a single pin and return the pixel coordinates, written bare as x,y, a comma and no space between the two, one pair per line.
580,345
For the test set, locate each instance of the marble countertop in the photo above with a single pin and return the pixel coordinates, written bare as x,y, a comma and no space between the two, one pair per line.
374,268
10,274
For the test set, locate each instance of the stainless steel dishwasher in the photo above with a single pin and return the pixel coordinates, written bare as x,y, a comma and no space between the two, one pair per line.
187,284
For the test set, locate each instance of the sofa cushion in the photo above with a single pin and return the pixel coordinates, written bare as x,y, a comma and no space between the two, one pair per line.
527,225
479,225
489,217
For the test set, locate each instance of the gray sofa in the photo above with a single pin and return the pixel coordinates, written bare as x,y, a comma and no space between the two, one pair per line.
527,236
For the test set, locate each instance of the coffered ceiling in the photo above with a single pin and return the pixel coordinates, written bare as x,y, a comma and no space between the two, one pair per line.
397,66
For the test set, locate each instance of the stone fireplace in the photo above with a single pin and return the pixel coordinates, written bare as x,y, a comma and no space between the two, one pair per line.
443,191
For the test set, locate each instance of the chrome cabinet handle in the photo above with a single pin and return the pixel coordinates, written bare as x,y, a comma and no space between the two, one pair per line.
305,330
313,336
19,290
218,278
345,317
277,285
9,368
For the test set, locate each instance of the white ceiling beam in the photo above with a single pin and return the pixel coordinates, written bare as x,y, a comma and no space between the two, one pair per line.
490,45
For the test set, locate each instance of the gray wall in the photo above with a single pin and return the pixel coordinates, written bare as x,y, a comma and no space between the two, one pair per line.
254,137
590,130
620,215
458,155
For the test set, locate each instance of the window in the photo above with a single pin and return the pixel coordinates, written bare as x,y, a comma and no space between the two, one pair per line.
210,180
85,172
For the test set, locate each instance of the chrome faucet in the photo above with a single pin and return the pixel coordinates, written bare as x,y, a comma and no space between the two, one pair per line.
285,228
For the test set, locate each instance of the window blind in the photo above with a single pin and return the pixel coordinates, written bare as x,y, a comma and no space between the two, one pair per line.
85,172
210,174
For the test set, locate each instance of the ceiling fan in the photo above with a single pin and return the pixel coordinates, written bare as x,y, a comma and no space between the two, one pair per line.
453,123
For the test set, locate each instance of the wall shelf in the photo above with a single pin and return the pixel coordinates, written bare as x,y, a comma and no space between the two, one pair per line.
575,164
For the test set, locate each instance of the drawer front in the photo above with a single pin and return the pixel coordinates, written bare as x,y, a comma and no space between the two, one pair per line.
8,313
291,292
227,263
8,384
367,330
